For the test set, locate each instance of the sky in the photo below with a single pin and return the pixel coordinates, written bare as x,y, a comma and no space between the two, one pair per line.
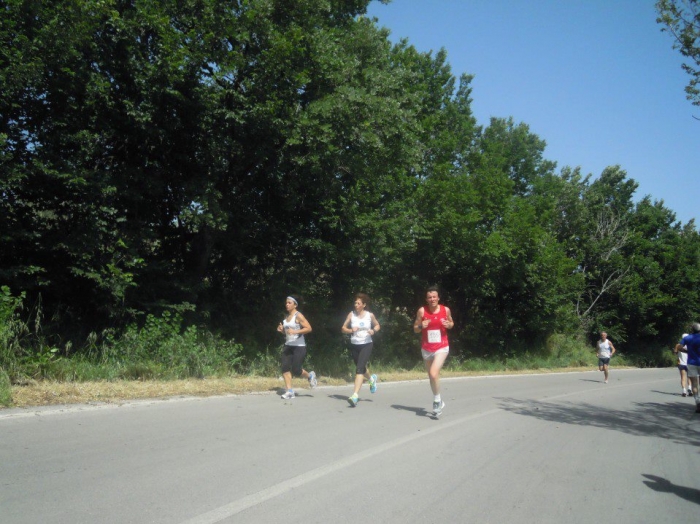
597,80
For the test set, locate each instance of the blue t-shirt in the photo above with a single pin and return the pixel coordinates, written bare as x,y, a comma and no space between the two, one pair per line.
692,344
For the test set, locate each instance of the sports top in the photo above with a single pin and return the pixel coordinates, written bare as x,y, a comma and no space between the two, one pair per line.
434,337
692,344
363,325
604,349
295,339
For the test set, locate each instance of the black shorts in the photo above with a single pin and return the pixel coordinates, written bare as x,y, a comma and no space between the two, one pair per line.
603,361
361,354
292,359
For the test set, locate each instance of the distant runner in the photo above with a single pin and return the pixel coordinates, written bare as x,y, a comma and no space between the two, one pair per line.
683,369
691,344
605,351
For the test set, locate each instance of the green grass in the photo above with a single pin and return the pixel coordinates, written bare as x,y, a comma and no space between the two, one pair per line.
203,362
5,389
163,348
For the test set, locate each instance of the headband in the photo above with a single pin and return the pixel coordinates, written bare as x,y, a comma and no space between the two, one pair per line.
293,300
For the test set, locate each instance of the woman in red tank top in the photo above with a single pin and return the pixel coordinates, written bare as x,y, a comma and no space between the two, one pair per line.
432,322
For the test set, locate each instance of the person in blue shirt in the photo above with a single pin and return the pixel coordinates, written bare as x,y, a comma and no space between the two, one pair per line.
691,344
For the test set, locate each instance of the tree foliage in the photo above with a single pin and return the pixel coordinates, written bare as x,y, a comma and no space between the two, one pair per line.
681,18
210,158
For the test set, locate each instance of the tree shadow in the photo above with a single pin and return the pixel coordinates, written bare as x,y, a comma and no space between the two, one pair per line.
662,485
670,420
419,412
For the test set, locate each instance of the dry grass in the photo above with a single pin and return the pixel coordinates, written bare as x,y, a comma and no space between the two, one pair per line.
46,393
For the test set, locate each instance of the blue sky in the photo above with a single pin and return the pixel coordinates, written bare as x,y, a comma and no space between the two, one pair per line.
596,79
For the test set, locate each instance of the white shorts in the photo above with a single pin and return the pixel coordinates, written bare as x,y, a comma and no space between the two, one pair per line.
429,355
693,371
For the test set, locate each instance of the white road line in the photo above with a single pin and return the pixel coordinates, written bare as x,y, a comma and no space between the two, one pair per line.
223,512
229,510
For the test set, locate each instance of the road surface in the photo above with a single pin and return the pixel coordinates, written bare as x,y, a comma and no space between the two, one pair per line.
559,448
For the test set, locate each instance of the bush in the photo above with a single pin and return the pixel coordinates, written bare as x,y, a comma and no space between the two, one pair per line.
12,329
265,364
5,389
163,349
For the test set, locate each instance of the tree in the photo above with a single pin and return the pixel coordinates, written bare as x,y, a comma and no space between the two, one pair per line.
681,18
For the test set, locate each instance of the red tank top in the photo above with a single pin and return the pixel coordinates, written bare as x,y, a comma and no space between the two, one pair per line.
434,337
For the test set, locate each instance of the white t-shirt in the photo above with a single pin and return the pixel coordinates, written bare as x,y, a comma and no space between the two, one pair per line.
682,355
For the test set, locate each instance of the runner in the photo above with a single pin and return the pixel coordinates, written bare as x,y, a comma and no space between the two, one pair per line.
361,325
691,344
683,368
294,327
433,320
604,346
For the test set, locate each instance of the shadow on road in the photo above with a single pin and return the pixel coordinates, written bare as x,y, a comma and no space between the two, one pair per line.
344,398
664,486
668,393
670,420
420,412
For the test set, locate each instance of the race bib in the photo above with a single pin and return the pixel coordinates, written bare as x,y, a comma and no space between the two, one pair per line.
434,336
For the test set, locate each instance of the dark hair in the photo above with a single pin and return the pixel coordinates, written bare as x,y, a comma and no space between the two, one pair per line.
431,289
364,297
297,298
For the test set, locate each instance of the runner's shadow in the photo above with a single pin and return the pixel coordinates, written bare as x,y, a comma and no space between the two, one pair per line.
591,380
420,412
664,486
345,399
667,393
338,397
281,391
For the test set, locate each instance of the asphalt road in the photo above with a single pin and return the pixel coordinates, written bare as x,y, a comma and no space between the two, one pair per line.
560,448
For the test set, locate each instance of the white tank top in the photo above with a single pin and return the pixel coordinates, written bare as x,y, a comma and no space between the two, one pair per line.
363,325
295,339
604,349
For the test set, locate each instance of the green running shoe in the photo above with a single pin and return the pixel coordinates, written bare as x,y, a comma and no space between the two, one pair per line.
373,384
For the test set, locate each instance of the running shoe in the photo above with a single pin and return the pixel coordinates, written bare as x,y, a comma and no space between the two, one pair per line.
373,384
313,382
289,395
438,407
353,400
684,394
